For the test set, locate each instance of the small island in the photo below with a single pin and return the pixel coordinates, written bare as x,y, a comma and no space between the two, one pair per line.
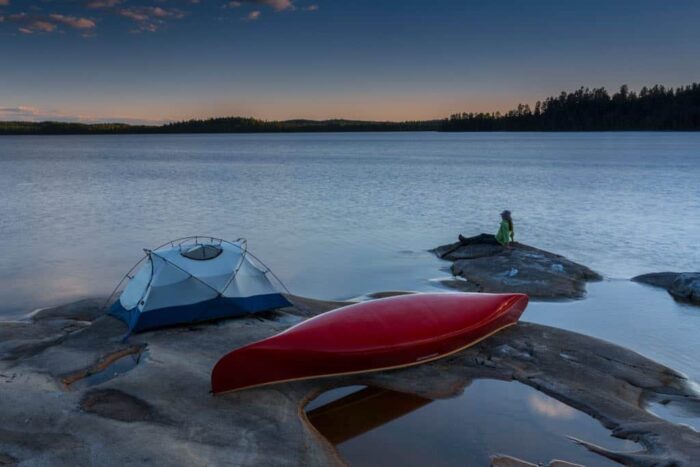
484,266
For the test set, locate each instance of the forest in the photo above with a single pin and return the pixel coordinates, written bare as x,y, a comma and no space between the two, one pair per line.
651,109
655,108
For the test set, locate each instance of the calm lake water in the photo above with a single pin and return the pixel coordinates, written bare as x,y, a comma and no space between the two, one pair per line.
342,215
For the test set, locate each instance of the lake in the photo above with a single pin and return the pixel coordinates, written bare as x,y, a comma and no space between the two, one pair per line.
338,216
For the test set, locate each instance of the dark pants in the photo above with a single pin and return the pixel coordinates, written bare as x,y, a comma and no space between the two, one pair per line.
483,239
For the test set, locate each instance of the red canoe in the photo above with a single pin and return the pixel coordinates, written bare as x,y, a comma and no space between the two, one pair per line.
377,335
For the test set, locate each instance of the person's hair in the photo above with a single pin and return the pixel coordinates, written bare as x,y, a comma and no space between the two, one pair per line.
506,216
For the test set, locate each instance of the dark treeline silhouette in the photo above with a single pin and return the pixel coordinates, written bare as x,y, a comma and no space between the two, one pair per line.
655,108
65,128
252,125
214,125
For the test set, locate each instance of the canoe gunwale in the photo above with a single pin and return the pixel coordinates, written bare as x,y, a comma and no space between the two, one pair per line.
506,308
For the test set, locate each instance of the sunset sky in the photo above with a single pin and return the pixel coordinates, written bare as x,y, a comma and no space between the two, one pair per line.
160,60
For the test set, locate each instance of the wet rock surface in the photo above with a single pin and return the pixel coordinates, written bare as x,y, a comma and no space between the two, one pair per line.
683,286
6,459
161,412
485,266
118,405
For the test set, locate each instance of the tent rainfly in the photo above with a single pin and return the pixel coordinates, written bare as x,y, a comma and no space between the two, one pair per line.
195,279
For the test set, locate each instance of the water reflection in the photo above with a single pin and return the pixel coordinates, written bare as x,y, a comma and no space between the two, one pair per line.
549,407
377,427
674,409
361,411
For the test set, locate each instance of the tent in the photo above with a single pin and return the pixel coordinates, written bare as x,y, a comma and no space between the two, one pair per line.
195,279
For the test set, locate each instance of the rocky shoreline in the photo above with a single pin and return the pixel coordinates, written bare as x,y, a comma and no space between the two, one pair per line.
59,408
682,286
482,265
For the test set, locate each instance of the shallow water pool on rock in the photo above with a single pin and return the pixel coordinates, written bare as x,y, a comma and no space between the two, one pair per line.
675,409
377,427
118,367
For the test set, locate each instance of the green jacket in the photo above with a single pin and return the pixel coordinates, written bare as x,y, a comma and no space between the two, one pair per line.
505,235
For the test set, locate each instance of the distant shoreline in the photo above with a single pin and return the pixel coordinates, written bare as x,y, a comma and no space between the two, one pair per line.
585,110
261,132
215,126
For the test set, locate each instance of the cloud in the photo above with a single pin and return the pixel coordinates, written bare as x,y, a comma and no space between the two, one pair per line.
147,13
277,5
148,27
42,26
29,24
144,18
150,19
26,112
97,4
15,111
159,12
549,407
134,14
73,22
34,114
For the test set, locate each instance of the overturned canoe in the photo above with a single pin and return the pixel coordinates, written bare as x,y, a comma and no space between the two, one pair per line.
377,335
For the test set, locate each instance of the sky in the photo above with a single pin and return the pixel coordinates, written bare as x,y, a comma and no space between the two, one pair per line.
164,60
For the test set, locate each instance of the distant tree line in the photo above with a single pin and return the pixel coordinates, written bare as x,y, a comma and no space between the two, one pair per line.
65,128
214,125
252,125
655,108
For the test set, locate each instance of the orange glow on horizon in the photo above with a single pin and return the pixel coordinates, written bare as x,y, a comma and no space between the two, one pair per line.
365,107
394,108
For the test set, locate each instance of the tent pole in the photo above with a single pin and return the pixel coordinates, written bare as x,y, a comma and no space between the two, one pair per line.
271,273
244,251
109,298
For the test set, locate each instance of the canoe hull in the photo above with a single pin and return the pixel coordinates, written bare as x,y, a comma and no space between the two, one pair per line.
371,336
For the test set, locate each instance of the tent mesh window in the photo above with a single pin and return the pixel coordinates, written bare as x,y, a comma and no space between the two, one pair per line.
202,252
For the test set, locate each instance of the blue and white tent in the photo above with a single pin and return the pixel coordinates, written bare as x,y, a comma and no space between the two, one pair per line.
196,279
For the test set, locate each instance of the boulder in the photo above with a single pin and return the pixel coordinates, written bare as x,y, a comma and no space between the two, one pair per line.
486,266
683,286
